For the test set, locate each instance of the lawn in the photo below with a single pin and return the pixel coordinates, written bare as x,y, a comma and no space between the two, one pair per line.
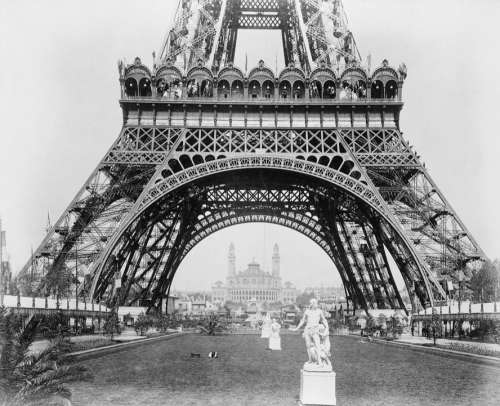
163,373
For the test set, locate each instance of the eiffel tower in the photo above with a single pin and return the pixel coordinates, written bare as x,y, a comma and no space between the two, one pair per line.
315,147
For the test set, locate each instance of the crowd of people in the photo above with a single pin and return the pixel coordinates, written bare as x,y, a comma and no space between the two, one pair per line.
349,90
353,91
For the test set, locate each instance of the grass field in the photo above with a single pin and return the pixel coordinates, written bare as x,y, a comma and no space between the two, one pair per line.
163,373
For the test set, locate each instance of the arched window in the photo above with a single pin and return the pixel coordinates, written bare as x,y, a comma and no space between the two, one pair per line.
254,89
361,89
298,89
329,91
346,92
285,89
391,89
145,87
193,88
175,88
237,89
162,87
377,90
131,87
268,89
315,89
206,88
223,89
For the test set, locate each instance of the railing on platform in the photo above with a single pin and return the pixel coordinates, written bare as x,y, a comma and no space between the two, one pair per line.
28,305
261,100
462,310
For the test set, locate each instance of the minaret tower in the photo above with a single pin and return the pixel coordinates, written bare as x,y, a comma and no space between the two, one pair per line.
231,261
276,261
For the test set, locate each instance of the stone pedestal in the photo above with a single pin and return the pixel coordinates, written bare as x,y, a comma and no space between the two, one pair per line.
317,388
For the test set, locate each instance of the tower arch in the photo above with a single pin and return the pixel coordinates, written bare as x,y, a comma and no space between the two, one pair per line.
213,170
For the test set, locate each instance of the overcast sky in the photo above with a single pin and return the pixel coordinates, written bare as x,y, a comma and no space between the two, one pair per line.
59,112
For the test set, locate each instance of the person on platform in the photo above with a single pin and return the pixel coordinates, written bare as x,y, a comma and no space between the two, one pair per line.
274,336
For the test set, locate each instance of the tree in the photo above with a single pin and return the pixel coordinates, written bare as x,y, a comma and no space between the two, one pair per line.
58,283
304,298
435,324
54,325
142,324
162,322
396,326
382,322
485,281
33,378
112,323
371,325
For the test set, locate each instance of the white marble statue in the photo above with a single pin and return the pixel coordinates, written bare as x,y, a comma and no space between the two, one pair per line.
266,327
317,338
274,337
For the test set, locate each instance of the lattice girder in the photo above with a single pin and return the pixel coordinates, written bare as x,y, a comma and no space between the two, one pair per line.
216,218
143,145
83,229
312,31
165,184
430,222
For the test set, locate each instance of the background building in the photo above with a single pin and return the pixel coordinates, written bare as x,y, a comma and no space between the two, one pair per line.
326,293
253,284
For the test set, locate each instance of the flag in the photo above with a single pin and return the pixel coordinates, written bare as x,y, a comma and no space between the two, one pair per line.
2,239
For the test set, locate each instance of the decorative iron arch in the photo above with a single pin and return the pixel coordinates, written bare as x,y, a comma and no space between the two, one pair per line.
137,70
230,73
353,73
161,186
292,74
200,73
385,73
261,73
323,74
308,229
212,224
168,73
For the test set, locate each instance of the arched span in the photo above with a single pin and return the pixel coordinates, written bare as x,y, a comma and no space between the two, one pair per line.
161,186
302,224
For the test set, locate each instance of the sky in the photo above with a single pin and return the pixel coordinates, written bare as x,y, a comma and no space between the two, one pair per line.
60,113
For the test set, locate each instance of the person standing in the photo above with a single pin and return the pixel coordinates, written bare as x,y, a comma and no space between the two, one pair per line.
266,327
274,337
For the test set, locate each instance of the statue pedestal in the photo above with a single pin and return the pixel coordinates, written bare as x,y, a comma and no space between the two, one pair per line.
317,388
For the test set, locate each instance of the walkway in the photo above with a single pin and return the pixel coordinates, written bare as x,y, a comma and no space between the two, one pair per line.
408,338
164,373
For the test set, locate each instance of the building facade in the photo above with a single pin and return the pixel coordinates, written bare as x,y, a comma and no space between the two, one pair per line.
326,293
253,283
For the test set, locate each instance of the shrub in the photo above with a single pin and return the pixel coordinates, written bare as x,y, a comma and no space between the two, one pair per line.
33,379
112,324
142,324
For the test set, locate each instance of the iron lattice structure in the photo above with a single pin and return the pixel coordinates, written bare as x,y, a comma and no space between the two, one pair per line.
316,148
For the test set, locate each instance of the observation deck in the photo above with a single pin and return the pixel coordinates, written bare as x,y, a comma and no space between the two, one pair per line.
292,98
